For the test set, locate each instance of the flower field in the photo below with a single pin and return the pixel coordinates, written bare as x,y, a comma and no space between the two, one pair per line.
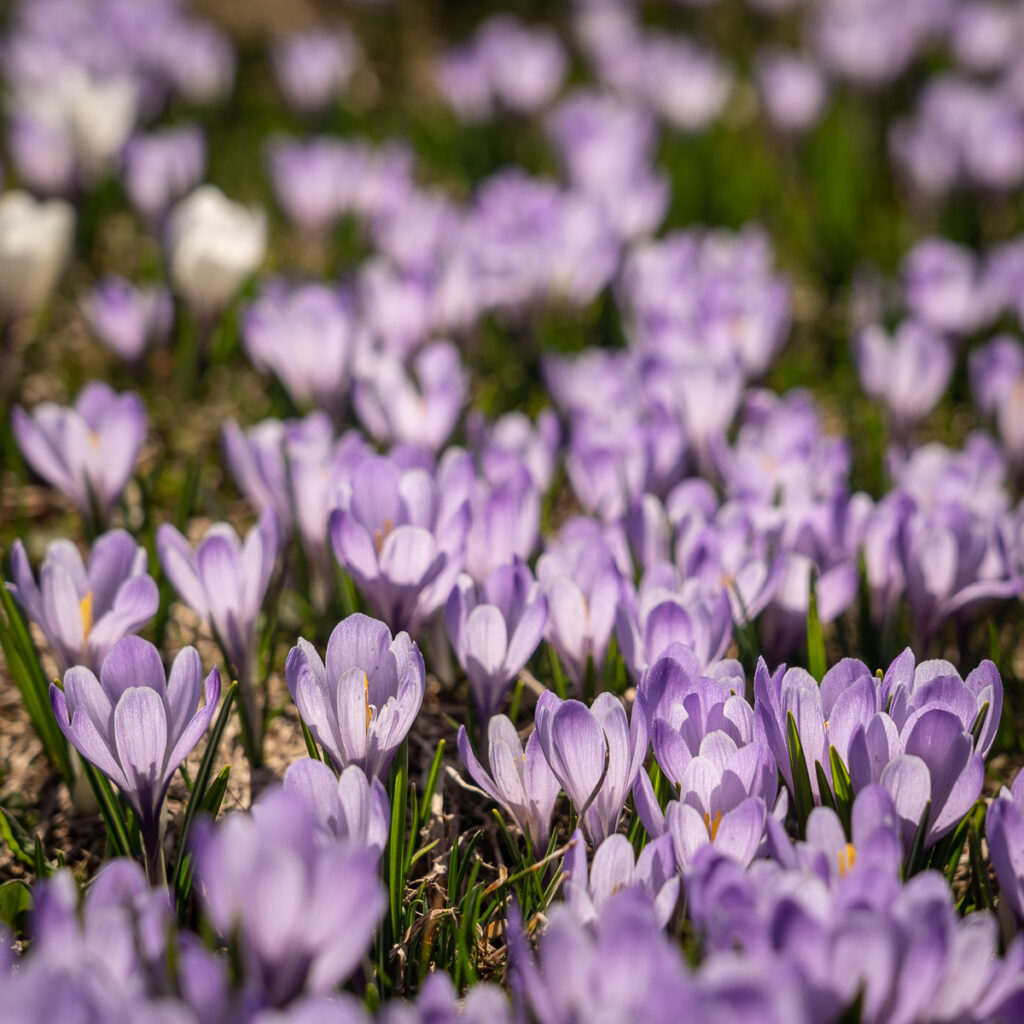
512,513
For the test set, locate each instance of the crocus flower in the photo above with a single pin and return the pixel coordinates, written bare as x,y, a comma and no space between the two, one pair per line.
224,581
595,753
520,780
792,88
307,337
512,442
213,245
402,540
162,167
305,176
398,408
302,913
312,67
1004,830
87,450
621,967
583,586
35,239
668,609
126,318
136,724
942,282
494,633
348,808
360,705
615,866
84,609
908,373
505,524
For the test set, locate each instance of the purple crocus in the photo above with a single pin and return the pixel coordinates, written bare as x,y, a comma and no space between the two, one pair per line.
908,373
582,583
224,581
162,167
1004,830
349,808
360,705
495,631
792,88
667,609
398,408
305,178
83,609
298,469
87,450
312,67
302,913
615,866
943,285
520,780
126,318
402,540
595,753
307,337
505,523
137,725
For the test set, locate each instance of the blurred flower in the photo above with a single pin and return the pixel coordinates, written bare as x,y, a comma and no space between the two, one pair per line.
87,450
84,609
312,67
35,241
301,914
307,336
163,166
137,725
127,318
1004,830
421,407
361,705
213,245
792,88
908,373
401,536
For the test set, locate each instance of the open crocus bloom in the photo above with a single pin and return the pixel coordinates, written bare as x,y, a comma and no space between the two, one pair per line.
135,723
83,610
87,450
362,702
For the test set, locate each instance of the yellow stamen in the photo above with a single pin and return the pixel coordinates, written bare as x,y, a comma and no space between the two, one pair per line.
94,438
366,700
379,536
711,824
85,605
847,855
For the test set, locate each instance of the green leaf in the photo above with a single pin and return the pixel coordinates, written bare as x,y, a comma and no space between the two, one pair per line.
215,793
979,722
27,673
396,838
16,838
117,827
183,875
15,903
917,846
816,663
803,797
824,789
842,787
431,788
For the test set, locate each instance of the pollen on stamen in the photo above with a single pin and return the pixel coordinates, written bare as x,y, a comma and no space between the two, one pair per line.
711,824
85,606
366,701
847,855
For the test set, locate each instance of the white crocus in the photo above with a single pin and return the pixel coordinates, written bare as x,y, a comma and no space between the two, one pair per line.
213,245
35,239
